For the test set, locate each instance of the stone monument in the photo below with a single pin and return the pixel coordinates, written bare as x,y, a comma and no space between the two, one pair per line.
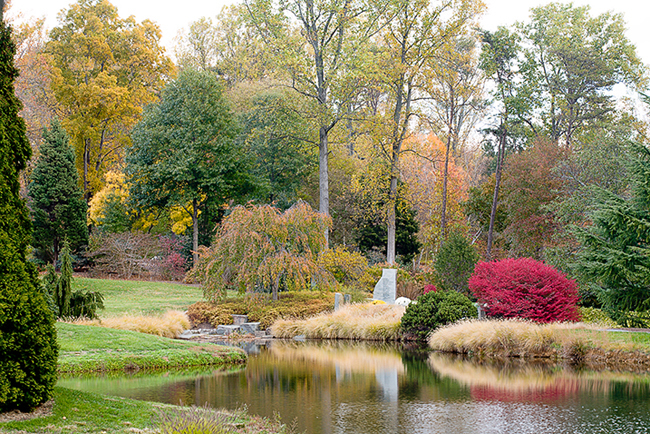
386,288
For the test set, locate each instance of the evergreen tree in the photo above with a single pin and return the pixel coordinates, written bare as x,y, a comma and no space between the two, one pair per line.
28,350
371,233
455,263
58,208
615,251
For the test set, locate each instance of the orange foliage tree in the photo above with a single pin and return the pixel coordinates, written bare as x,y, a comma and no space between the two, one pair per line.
530,183
422,169
260,248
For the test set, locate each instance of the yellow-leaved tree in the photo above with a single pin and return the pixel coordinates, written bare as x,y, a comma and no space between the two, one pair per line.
104,70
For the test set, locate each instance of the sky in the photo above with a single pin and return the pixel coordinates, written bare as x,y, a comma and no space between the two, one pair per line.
172,16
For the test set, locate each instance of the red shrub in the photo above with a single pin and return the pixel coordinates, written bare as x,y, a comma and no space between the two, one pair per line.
525,288
430,288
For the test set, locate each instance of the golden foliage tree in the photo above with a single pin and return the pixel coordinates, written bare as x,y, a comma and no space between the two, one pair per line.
105,69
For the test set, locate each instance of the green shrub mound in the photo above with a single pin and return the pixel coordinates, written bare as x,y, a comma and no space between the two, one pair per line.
435,309
28,351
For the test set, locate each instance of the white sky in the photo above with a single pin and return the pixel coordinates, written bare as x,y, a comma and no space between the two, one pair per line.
171,16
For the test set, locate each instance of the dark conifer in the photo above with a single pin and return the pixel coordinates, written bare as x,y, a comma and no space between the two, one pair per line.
28,350
58,207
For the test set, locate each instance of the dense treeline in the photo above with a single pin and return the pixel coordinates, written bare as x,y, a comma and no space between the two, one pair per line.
400,119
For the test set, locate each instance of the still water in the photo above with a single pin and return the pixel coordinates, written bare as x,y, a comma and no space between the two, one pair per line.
338,387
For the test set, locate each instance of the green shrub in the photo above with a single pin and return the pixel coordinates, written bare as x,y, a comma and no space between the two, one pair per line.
346,266
592,315
435,309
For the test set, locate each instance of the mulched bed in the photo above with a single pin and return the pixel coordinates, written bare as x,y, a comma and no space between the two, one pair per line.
17,416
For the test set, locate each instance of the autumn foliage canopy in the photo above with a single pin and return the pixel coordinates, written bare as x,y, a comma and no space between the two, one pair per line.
525,288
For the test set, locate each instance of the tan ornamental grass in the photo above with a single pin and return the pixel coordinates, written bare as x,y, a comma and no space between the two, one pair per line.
515,338
357,321
170,325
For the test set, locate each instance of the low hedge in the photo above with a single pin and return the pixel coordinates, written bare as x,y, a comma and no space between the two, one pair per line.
259,308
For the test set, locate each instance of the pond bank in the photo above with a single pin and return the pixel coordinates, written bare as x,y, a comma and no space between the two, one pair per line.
73,412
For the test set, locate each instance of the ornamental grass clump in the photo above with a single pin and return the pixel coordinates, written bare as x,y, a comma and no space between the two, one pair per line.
514,338
358,321
196,420
169,325
525,288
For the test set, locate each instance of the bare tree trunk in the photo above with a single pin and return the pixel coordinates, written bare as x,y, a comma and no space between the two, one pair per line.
276,286
195,232
86,158
55,253
445,177
495,198
323,179
391,228
2,8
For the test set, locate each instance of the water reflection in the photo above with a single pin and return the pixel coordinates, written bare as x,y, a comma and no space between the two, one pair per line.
340,387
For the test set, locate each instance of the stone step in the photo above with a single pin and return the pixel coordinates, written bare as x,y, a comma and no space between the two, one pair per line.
226,330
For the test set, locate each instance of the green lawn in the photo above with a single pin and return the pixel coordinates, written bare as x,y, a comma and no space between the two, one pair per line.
92,349
134,297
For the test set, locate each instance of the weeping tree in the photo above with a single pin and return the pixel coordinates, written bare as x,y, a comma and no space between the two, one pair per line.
28,349
259,248
69,303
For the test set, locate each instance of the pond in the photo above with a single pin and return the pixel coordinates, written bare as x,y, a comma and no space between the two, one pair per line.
340,387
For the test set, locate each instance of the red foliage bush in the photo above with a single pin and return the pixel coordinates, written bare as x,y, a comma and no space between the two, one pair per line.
430,288
525,288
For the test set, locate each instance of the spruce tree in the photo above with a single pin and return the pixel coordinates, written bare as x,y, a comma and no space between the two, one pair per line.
58,208
615,250
28,350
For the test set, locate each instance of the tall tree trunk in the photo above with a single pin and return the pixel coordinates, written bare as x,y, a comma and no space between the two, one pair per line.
495,197
445,177
323,179
86,158
274,289
195,232
392,216
55,252
399,131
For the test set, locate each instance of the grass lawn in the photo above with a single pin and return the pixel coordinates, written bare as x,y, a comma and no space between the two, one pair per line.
132,297
91,349
77,412
637,340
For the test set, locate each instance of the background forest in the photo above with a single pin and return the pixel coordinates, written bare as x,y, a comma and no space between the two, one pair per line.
422,141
